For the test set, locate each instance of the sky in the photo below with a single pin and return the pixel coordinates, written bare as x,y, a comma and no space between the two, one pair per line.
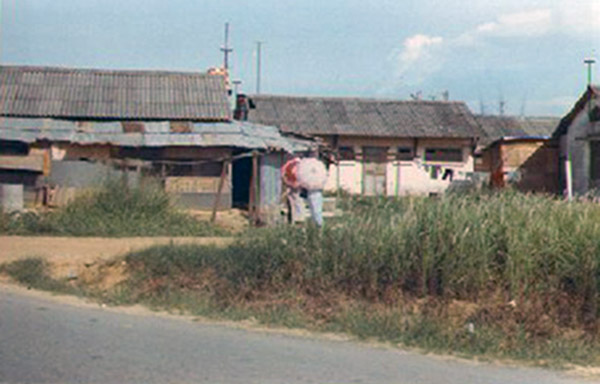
527,54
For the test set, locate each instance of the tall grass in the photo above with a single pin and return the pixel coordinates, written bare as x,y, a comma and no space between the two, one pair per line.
115,209
528,264
501,274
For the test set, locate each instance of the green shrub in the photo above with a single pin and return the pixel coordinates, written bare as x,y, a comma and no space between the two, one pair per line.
33,272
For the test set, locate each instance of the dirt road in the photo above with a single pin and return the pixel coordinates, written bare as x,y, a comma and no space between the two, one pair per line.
69,255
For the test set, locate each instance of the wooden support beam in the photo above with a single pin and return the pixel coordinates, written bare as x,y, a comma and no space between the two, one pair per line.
219,190
256,188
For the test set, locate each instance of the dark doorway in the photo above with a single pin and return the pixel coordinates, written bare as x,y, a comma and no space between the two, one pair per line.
594,165
241,174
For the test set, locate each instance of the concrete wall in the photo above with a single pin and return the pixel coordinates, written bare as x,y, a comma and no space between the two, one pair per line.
403,177
86,174
11,197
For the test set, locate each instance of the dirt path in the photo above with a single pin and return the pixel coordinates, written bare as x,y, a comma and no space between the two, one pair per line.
69,255
87,249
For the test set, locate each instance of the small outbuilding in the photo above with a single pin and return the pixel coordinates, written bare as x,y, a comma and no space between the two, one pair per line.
518,150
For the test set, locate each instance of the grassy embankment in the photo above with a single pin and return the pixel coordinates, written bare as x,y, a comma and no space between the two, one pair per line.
507,276
114,210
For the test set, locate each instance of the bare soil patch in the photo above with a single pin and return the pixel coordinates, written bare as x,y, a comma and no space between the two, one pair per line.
85,257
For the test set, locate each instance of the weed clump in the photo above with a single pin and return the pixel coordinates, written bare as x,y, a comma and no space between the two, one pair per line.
33,272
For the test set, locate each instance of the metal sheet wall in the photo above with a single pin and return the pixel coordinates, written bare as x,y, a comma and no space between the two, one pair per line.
270,186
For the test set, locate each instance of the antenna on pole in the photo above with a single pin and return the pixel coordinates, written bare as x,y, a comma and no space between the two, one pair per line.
501,102
258,63
225,48
236,85
589,62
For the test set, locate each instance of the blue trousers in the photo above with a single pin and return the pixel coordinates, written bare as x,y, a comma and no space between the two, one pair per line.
315,204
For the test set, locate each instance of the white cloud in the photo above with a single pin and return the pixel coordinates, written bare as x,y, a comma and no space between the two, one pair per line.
416,46
420,55
417,58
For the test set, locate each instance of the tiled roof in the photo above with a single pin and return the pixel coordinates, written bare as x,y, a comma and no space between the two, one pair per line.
364,117
112,94
592,94
497,127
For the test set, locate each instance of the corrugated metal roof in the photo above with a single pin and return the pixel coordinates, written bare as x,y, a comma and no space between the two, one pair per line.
152,134
498,127
364,117
112,94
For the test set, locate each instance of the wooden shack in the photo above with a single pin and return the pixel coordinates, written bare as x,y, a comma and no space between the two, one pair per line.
70,129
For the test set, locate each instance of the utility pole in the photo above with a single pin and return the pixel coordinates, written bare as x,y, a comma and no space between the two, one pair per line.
225,48
501,105
589,62
258,46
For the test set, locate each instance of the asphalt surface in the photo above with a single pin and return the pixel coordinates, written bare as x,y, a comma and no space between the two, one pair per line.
45,340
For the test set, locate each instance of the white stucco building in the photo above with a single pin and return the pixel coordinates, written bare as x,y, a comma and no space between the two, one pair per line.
381,147
578,136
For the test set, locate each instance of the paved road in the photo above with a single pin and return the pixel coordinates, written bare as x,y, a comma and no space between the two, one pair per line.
45,340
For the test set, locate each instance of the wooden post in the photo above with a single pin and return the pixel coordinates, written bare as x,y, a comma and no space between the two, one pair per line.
219,190
251,197
255,187
398,165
